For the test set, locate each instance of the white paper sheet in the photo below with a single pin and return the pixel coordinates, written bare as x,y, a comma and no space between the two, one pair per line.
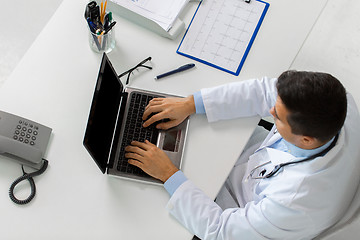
163,12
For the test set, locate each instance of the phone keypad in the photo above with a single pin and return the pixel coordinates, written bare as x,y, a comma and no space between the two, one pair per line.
26,132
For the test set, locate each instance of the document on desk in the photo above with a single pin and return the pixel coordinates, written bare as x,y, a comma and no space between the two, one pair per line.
222,31
162,12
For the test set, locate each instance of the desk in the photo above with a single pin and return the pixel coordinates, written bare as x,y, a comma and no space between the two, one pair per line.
53,84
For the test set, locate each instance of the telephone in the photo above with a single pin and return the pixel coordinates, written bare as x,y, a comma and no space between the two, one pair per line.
24,141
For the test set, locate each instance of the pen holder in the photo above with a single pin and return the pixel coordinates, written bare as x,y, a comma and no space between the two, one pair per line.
101,43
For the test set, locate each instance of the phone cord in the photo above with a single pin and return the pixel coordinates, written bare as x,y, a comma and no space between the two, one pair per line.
29,177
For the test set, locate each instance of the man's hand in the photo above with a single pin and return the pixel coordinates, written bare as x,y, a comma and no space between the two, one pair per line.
150,159
175,109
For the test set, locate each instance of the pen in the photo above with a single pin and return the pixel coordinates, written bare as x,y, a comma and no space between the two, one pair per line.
106,21
110,27
110,16
180,69
93,30
92,26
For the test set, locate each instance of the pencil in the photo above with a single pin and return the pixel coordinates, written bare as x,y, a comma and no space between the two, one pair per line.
101,11
104,11
100,37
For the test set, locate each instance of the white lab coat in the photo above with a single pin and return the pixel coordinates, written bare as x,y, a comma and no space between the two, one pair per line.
298,203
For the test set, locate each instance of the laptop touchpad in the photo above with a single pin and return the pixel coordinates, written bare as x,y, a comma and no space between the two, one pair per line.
172,140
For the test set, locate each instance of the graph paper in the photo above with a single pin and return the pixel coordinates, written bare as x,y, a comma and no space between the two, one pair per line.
222,31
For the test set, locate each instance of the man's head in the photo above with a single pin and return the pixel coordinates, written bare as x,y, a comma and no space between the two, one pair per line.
311,104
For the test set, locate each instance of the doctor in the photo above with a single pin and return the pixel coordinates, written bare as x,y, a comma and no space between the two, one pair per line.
293,182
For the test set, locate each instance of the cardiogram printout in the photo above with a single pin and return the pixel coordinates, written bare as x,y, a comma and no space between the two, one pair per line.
222,31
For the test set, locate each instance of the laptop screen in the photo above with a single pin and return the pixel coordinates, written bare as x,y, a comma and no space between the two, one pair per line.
103,113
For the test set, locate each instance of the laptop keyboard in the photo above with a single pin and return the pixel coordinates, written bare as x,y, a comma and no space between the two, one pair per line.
134,131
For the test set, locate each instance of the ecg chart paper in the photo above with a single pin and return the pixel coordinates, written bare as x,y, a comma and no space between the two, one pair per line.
222,31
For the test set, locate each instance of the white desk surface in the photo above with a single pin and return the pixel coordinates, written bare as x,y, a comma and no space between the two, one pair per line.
54,84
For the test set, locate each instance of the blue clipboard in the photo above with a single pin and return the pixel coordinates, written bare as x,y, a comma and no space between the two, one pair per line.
237,65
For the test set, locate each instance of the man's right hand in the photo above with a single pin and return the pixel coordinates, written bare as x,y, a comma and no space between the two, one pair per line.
174,109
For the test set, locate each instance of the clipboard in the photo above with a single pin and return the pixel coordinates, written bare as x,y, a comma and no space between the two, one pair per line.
221,33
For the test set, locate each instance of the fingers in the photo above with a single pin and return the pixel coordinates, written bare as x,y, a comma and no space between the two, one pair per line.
154,101
167,125
150,159
136,163
139,147
154,118
153,106
135,153
150,110
173,109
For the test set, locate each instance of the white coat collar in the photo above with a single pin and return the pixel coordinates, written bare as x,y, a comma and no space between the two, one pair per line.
270,139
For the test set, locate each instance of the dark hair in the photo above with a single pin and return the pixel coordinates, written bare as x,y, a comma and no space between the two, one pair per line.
316,101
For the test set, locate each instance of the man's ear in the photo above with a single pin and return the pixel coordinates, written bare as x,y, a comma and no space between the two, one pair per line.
309,142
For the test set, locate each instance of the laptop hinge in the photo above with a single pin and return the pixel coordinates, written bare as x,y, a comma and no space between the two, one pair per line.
116,136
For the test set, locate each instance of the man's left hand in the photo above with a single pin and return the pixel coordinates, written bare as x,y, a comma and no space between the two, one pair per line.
150,159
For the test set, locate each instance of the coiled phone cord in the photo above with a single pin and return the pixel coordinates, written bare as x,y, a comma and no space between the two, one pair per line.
29,177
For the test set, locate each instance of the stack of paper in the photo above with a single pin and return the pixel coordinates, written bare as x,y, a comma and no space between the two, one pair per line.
162,12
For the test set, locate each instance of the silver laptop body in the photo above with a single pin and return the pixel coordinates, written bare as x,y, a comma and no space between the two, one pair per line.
107,122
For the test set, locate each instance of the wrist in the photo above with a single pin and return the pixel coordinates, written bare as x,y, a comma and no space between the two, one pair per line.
169,174
190,103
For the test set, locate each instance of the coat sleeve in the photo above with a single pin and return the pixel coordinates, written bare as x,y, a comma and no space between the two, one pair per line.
240,99
260,220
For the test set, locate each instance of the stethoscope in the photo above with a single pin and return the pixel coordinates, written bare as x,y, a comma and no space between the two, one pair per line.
263,175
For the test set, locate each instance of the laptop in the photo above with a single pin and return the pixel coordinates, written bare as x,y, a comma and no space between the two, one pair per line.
115,119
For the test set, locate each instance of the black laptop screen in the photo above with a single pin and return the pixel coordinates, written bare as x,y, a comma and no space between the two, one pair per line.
103,114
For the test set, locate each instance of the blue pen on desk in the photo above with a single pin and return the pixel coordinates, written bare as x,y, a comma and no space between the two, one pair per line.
180,69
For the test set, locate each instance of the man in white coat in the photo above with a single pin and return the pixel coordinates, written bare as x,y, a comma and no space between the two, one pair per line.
293,183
